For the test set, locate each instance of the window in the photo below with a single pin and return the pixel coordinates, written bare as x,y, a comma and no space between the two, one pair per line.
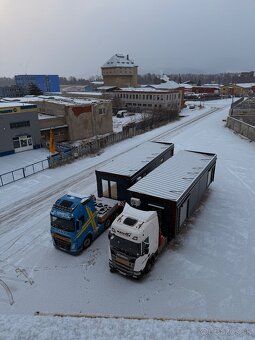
130,221
101,111
17,125
22,143
114,192
105,188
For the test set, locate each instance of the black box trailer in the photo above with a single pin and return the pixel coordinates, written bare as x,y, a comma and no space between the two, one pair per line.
175,188
122,172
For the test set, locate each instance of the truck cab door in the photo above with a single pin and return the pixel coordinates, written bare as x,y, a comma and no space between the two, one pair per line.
78,225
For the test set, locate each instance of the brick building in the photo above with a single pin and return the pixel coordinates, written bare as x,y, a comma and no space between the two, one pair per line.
120,71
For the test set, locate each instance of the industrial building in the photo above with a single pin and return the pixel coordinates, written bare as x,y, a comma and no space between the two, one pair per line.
45,83
147,98
118,175
70,119
19,127
175,188
12,91
120,71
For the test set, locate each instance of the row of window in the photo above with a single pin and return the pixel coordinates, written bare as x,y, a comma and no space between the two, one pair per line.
119,71
17,125
154,97
147,105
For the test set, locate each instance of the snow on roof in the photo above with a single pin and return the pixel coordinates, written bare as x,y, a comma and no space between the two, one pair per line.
141,215
119,60
246,85
106,87
186,86
67,101
97,82
42,116
141,89
12,104
98,94
211,85
173,178
169,85
129,163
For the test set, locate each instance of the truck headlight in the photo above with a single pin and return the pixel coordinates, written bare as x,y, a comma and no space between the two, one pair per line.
73,246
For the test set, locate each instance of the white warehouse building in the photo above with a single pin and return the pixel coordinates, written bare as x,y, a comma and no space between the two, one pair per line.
148,98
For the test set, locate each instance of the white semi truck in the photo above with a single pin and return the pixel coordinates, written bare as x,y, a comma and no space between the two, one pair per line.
135,242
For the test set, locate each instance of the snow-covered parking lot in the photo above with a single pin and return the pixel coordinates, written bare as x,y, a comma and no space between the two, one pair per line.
207,273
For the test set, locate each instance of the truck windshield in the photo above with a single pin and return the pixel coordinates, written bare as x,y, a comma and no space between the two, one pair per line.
60,223
126,246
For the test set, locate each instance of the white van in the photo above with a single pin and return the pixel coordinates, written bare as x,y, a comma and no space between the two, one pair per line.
121,114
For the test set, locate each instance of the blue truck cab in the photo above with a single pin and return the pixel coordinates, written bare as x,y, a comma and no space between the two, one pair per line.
76,220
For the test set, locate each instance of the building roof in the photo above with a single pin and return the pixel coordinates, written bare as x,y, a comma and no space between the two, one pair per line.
67,101
245,85
129,163
174,177
13,104
142,89
119,60
169,85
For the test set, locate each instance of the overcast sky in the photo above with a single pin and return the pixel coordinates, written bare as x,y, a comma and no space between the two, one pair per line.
76,37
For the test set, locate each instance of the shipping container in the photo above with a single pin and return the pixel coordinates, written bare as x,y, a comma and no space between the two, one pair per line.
174,189
120,173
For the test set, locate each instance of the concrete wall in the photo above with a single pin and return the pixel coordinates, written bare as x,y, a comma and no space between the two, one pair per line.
84,120
241,128
89,120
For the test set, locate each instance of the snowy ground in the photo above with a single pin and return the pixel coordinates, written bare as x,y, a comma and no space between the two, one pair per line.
207,273
118,123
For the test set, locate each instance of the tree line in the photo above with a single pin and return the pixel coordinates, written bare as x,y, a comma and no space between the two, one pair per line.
152,78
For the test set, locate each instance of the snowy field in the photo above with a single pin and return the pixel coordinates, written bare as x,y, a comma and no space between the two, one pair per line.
206,273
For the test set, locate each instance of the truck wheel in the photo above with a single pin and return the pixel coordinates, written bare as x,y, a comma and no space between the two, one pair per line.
87,242
107,224
148,266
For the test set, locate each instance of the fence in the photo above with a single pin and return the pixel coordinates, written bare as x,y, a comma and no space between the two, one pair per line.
98,143
15,175
242,128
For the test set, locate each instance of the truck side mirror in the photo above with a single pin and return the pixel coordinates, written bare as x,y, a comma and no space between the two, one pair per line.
109,235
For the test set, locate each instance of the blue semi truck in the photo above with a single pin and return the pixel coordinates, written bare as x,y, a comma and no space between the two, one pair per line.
76,220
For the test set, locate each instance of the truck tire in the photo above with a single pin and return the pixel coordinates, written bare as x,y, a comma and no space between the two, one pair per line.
107,224
148,266
87,242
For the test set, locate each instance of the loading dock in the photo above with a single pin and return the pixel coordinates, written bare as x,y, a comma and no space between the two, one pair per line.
175,188
122,172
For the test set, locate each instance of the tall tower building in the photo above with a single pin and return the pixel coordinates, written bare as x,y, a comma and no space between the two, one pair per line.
120,71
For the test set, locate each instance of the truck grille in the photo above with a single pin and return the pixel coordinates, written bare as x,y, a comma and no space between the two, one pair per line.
122,264
62,242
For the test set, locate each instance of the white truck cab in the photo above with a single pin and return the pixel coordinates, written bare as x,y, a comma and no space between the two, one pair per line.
134,242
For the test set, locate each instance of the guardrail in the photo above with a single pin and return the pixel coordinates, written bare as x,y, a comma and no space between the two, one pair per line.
15,175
